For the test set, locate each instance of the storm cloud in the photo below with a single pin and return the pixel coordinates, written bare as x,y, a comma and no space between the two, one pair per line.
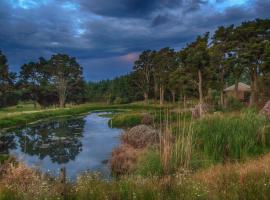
107,35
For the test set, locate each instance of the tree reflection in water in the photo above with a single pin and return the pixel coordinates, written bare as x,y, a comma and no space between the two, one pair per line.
7,142
59,139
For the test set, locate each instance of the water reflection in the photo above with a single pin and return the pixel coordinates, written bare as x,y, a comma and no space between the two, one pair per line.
79,144
60,140
7,142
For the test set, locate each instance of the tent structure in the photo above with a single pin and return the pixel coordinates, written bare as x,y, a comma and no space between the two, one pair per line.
243,94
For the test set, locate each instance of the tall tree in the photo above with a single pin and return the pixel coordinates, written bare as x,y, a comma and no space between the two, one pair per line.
252,40
65,73
6,82
221,47
164,63
198,60
142,72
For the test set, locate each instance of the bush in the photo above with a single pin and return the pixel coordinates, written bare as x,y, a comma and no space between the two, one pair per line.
141,136
119,100
123,159
234,104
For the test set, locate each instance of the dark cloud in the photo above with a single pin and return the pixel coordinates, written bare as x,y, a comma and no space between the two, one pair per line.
159,20
127,8
106,35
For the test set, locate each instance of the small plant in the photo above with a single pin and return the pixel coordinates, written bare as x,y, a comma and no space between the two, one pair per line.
234,104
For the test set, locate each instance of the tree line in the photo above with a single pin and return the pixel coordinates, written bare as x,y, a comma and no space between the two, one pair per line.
55,81
202,69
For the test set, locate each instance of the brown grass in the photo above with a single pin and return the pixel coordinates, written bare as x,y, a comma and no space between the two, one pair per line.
124,159
26,182
251,177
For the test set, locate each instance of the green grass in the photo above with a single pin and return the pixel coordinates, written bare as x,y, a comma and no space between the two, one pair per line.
10,118
232,137
149,164
126,120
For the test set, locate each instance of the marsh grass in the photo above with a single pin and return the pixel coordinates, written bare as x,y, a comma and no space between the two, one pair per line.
227,138
125,120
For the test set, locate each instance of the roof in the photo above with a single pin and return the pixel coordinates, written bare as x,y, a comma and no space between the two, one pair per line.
241,87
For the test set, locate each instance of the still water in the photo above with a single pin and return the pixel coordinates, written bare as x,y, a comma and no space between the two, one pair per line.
80,144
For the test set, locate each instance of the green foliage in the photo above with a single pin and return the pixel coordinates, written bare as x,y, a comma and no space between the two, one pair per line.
118,90
232,137
7,93
123,120
7,194
149,164
234,104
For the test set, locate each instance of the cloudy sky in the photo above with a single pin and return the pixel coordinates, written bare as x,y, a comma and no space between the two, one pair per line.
106,36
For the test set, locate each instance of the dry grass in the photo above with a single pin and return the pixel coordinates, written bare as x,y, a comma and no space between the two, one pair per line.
124,159
248,180
27,183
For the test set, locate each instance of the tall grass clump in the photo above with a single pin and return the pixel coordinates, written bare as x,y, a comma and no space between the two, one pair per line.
183,145
232,137
176,142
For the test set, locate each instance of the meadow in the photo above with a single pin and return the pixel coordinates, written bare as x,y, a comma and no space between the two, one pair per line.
220,156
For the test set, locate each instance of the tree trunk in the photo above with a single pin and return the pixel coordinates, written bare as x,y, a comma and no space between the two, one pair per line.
185,101
156,91
254,88
173,96
161,93
200,90
145,94
236,87
222,89
62,89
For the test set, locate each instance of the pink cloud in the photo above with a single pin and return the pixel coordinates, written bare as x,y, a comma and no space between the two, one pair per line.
131,57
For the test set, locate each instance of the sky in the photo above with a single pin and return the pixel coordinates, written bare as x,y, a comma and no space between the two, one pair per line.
106,36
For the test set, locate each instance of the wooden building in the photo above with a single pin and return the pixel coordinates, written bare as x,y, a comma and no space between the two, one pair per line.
243,95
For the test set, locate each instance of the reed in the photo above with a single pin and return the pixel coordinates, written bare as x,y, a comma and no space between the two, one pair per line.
224,138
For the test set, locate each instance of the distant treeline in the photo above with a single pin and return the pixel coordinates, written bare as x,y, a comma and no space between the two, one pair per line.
202,69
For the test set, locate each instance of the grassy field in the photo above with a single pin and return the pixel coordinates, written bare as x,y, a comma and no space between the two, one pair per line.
221,156
26,113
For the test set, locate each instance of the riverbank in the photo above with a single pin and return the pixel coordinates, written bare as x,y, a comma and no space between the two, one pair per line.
12,119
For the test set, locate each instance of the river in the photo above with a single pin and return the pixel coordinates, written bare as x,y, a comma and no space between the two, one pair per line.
79,144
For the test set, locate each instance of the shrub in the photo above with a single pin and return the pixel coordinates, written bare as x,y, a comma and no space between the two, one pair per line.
123,159
234,104
147,119
141,136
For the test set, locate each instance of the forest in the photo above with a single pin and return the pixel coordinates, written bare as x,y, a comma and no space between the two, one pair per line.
201,70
